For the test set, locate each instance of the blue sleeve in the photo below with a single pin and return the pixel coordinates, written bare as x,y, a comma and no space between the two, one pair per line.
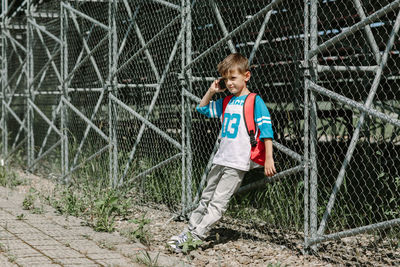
212,110
262,119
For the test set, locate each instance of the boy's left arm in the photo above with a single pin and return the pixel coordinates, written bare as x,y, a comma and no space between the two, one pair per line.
263,121
269,167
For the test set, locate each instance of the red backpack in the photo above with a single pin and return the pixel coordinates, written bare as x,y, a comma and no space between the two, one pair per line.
257,146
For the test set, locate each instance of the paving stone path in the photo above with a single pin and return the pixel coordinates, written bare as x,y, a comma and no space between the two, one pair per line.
47,239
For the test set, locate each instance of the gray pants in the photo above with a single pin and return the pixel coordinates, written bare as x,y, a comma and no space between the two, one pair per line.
222,183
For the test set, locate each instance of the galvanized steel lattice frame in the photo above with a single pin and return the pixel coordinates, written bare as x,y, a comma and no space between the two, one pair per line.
58,61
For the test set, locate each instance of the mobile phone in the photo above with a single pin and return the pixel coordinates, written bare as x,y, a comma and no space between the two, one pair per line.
222,84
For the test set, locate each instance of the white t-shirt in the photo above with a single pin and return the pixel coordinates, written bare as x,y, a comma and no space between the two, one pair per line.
234,149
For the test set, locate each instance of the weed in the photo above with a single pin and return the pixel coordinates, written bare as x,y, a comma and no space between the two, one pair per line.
107,245
29,202
88,237
159,185
70,202
105,210
147,260
38,210
6,250
190,244
12,258
270,204
94,200
21,217
18,159
9,178
140,233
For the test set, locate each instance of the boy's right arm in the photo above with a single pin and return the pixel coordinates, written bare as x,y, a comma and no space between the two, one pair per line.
214,88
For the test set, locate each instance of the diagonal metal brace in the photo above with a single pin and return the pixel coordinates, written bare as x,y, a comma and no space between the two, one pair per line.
42,29
30,102
83,117
347,101
148,124
98,23
368,20
15,115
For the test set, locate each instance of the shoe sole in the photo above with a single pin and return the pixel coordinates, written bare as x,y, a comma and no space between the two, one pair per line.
174,247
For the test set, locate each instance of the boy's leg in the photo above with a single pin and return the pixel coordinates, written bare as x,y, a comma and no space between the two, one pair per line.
227,186
212,181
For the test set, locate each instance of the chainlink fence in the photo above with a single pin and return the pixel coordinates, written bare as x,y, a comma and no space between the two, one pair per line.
107,90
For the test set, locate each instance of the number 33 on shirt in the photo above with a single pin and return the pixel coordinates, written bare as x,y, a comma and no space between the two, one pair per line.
230,125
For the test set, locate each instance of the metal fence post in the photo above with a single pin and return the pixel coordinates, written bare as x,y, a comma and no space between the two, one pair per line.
112,86
306,121
64,88
188,112
4,77
313,123
30,87
183,116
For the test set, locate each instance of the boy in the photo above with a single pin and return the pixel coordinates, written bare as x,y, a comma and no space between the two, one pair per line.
232,159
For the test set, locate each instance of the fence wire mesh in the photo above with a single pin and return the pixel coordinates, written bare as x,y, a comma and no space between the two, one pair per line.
356,151
13,88
43,100
107,90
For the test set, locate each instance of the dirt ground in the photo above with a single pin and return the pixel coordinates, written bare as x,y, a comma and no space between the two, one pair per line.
234,243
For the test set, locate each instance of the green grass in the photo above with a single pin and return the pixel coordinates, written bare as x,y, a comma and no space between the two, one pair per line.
29,201
279,204
8,178
190,244
21,217
3,247
163,186
147,260
90,194
141,232
98,205
105,209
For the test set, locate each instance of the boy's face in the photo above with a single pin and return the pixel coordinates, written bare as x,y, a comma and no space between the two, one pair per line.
236,81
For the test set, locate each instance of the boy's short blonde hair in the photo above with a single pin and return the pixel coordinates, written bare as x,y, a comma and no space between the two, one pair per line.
232,62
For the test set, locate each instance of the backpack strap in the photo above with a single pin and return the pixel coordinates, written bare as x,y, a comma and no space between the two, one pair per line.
248,114
224,104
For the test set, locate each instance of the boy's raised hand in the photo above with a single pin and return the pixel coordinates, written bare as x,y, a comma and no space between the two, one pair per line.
216,87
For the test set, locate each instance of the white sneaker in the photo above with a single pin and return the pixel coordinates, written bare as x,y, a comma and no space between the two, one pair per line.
178,244
176,241
174,246
180,236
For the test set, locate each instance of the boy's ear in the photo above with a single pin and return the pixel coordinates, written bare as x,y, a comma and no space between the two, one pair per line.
247,75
